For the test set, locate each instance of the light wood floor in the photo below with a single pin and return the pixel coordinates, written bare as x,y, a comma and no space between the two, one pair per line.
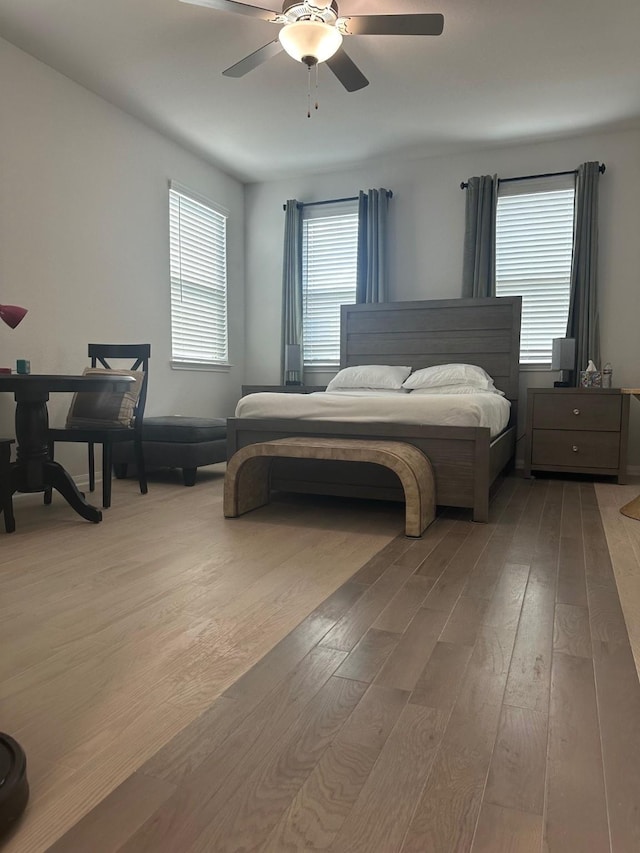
471,691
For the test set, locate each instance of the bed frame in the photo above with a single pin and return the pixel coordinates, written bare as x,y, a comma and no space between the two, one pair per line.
466,461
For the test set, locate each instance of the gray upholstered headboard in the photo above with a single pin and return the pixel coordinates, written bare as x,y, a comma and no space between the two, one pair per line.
485,332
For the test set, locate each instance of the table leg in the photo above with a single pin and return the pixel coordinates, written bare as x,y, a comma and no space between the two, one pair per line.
54,475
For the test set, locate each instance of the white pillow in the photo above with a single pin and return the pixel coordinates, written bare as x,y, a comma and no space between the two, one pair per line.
383,376
456,389
449,374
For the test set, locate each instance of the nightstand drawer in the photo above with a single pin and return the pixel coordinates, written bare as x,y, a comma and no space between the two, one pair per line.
574,448
577,411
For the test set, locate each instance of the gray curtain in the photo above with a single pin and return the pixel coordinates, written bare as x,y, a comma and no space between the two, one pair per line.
372,274
479,261
583,323
292,280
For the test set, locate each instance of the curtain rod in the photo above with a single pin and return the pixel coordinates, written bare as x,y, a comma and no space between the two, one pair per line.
602,168
331,201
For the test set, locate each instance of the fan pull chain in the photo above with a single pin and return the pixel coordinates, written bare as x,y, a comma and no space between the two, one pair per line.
316,85
308,91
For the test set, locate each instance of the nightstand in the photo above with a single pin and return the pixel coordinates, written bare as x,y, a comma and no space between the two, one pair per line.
577,430
282,389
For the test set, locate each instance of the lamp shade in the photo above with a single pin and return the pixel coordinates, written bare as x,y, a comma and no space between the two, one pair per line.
12,314
310,41
563,354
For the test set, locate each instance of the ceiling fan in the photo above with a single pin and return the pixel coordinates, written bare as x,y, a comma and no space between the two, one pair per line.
312,32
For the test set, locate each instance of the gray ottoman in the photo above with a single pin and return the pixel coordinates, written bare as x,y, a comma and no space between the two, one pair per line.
175,441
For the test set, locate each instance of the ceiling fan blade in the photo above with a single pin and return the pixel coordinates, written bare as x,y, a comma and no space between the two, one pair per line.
347,71
254,59
394,25
231,6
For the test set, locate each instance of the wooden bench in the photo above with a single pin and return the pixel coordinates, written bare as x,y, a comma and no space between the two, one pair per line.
247,480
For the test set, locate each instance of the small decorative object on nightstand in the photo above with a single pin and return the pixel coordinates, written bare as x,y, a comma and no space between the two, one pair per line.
577,430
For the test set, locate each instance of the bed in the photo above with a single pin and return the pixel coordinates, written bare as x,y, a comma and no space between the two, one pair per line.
466,459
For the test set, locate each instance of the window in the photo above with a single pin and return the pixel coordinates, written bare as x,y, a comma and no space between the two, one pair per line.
198,260
329,263
534,244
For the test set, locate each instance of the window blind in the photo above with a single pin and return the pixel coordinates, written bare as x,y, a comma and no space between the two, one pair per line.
198,260
534,245
329,264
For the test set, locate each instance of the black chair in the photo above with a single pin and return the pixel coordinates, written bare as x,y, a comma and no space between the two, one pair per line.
107,418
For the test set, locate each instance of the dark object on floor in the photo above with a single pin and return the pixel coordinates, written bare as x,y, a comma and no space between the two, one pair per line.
175,441
108,419
14,788
6,502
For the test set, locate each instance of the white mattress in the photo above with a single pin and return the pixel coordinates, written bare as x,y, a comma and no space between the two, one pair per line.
475,410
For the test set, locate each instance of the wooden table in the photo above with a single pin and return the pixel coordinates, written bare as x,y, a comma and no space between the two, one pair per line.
34,470
632,509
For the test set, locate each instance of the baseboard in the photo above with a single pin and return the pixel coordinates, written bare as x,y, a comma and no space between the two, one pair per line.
81,482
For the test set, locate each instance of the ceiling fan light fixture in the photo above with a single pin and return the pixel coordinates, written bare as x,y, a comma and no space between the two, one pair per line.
310,40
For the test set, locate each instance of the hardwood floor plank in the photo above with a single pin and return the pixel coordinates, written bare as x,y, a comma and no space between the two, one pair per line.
359,618
439,682
322,804
403,667
517,772
453,579
446,816
252,812
279,662
502,830
576,811
179,822
195,743
381,814
109,824
618,695
530,673
366,659
598,567
571,572
380,562
571,632
439,558
404,605
464,623
506,604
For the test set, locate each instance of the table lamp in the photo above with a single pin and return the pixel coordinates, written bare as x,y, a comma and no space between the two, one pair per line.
12,314
563,358
293,364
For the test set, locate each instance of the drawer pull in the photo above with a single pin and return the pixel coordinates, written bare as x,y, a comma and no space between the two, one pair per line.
576,411
575,448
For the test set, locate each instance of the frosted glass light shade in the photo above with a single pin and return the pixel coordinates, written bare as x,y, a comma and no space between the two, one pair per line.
310,38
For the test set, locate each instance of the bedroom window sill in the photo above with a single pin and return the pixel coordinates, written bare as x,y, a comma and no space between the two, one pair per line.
536,368
200,365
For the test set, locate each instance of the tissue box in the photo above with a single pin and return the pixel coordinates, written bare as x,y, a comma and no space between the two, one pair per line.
590,379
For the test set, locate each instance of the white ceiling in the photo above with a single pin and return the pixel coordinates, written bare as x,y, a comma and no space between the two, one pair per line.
503,71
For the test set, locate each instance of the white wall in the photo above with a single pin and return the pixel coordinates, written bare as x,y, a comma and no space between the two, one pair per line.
84,240
427,222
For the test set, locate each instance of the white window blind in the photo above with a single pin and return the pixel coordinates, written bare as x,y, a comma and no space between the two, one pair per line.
534,245
329,263
198,259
